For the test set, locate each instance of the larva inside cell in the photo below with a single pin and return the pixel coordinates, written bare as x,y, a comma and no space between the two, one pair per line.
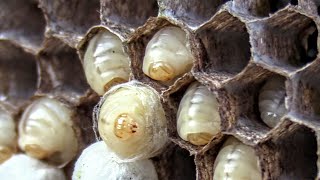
46,131
105,62
198,119
98,162
132,122
236,161
272,101
167,55
8,135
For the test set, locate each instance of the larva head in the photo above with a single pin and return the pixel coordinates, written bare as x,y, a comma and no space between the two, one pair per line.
105,62
167,55
272,101
46,131
132,122
21,166
236,160
8,135
98,162
198,119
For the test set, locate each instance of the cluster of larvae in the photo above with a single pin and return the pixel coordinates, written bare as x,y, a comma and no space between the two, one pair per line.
132,123
130,118
46,136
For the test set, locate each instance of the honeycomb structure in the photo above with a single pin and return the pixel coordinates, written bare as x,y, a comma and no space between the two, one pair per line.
237,45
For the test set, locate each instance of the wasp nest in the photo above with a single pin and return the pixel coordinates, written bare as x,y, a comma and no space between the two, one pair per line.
176,81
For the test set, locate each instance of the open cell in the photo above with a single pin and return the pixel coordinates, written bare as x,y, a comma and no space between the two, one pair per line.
226,41
287,40
18,74
22,22
61,71
306,92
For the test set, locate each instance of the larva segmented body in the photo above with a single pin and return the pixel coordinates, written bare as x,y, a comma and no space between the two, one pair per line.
132,122
46,131
167,55
236,161
272,101
105,62
8,135
98,162
198,119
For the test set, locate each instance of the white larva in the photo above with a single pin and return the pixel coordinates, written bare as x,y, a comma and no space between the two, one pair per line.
23,167
97,162
272,101
167,55
46,131
8,135
132,122
236,161
198,119
105,62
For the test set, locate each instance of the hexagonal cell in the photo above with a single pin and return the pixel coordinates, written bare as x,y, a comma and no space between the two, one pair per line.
193,13
22,22
291,152
227,46
240,103
138,43
192,117
18,74
69,20
287,40
306,91
61,72
127,15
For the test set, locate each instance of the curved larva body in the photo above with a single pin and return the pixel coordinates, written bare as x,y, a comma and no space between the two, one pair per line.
23,167
132,122
46,131
167,55
272,101
236,161
8,136
105,62
98,162
198,119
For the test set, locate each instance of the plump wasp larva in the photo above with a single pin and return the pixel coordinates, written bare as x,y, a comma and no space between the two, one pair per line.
105,62
23,167
272,101
236,161
46,131
167,55
97,162
8,135
198,119
132,122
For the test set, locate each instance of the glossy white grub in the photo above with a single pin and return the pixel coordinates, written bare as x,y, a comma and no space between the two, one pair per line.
236,161
105,62
198,119
272,101
46,131
8,135
167,55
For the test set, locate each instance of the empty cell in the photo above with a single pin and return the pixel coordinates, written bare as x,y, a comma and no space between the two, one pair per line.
227,46
287,40
18,74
